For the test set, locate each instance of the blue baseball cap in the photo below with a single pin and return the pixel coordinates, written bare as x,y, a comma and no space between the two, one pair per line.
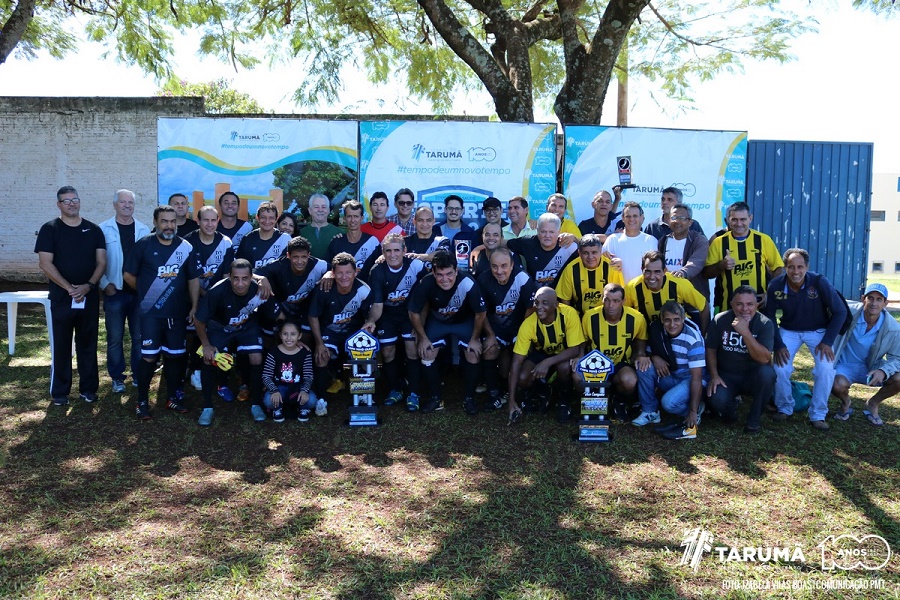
876,287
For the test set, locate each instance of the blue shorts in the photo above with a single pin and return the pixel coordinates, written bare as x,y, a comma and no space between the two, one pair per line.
159,334
854,372
391,328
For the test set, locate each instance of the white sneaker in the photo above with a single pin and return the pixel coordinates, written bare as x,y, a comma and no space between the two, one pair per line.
646,418
321,408
195,381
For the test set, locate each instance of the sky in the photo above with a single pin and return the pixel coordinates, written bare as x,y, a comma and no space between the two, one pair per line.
843,86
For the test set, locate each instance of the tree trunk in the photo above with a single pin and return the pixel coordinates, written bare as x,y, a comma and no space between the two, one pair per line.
15,27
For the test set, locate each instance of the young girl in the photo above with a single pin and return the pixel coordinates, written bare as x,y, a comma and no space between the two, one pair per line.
288,376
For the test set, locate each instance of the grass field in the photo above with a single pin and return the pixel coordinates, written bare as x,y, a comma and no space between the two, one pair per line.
96,504
891,281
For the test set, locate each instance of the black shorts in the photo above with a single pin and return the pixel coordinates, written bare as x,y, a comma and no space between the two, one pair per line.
439,332
391,328
243,341
166,335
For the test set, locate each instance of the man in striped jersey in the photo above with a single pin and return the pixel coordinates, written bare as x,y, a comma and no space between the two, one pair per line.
676,367
650,291
582,280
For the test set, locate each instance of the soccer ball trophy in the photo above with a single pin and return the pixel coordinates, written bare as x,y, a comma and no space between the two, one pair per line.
595,368
361,348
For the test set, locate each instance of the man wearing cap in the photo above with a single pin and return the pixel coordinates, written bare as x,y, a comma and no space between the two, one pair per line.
493,214
868,353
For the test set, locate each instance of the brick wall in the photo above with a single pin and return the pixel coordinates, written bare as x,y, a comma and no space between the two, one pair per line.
97,145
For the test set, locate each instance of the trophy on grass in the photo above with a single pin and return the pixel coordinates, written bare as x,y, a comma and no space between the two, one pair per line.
595,369
362,348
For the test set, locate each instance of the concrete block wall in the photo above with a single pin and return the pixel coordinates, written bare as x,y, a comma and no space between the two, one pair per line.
97,145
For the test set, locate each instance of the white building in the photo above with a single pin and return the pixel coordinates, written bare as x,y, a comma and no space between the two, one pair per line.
884,224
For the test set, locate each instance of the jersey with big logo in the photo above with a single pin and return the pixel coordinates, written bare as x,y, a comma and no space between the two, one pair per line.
649,303
341,313
564,332
292,291
457,305
214,259
222,307
416,245
365,251
582,288
754,257
162,274
544,265
615,340
507,304
393,288
235,234
261,252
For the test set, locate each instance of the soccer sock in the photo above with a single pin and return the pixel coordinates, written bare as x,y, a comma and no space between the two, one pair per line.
208,377
470,373
255,384
392,374
491,375
174,373
413,374
321,381
144,377
433,377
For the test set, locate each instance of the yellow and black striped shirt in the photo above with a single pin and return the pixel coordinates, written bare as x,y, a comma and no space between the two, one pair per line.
639,296
754,257
614,340
582,288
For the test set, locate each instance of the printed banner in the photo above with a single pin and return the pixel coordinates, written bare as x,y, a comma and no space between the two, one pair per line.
472,160
709,167
279,160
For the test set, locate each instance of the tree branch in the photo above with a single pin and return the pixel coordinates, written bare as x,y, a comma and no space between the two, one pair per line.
15,27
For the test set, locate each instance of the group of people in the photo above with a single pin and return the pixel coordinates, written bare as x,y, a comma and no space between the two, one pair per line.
516,303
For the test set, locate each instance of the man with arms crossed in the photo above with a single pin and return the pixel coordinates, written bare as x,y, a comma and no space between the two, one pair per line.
72,254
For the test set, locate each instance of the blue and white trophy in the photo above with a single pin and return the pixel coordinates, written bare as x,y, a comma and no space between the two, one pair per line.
595,369
362,348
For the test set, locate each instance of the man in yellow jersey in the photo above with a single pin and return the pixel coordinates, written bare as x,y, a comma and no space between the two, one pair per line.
655,287
619,332
741,256
547,341
582,280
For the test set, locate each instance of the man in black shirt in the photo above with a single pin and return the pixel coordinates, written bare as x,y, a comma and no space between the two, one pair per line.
163,269
334,315
426,240
392,281
605,220
364,248
454,307
227,319
544,256
266,244
229,223
184,224
509,298
72,254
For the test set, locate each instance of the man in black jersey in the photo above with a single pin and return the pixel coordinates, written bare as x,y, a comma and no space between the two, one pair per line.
605,220
293,279
229,223
184,224
492,234
72,254
454,307
334,315
163,269
509,298
363,247
266,244
426,240
392,281
119,300
545,255
227,319
214,253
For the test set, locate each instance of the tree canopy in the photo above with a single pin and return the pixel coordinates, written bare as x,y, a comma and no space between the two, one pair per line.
218,95
561,53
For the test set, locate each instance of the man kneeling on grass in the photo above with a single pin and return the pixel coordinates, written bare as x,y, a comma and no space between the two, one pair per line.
677,359
869,353
547,342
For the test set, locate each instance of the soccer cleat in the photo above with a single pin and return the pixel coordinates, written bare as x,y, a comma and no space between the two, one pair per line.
225,394
433,405
175,405
196,381
243,394
143,411
257,412
88,397
562,413
179,395
395,397
336,386
321,408
412,403
206,417
278,415
645,418
60,401
303,415
495,401
118,387
470,406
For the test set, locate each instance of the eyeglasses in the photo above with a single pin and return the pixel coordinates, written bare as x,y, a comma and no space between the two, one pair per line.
453,208
69,201
404,202
679,218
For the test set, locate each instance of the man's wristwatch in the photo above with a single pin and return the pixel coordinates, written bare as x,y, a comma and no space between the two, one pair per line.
92,286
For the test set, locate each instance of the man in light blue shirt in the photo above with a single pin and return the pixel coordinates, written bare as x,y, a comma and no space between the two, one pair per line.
868,353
